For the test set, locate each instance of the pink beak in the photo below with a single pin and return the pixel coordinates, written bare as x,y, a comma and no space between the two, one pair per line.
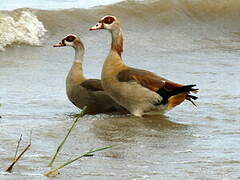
97,27
59,45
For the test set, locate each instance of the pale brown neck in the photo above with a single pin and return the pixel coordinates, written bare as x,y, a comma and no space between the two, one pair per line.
76,75
79,52
117,41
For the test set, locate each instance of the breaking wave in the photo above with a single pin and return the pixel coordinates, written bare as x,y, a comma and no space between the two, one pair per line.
174,22
20,27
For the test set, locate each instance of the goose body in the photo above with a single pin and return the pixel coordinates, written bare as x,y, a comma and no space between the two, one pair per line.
139,91
82,91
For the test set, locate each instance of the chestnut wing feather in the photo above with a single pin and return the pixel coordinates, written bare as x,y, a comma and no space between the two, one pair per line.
146,79
162,86
92,84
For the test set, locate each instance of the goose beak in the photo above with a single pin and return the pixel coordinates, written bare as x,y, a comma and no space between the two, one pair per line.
59,45
97,27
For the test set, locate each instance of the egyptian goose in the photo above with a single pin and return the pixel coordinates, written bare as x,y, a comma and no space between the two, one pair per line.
139,91
82,91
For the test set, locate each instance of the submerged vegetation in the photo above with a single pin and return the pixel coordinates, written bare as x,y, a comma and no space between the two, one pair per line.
83,112
54,171
17,158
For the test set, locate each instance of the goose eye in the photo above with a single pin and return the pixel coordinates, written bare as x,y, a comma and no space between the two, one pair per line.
70,38
108,20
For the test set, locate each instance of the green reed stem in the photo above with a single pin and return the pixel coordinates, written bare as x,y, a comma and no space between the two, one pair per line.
18,144
87,154
83,112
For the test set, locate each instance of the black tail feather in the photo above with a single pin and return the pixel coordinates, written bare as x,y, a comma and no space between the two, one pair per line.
191,98
167,93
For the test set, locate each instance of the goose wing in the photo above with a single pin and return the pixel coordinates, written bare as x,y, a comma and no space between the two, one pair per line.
92,84
171,92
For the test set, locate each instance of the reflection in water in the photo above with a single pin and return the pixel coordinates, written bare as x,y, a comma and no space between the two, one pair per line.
128,128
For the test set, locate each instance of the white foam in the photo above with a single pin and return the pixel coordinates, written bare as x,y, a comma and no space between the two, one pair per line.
25,28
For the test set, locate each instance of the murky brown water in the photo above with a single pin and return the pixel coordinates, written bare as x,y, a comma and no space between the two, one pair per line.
185,143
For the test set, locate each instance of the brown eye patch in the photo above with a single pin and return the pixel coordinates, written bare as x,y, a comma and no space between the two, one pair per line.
108,20
70,38
63,42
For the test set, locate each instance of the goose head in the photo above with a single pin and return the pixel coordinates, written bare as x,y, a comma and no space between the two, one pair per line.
107,22
70,40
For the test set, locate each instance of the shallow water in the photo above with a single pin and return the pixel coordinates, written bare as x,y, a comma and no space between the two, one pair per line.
185,143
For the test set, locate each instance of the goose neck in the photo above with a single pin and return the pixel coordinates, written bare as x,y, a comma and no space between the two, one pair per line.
117,41
79,53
